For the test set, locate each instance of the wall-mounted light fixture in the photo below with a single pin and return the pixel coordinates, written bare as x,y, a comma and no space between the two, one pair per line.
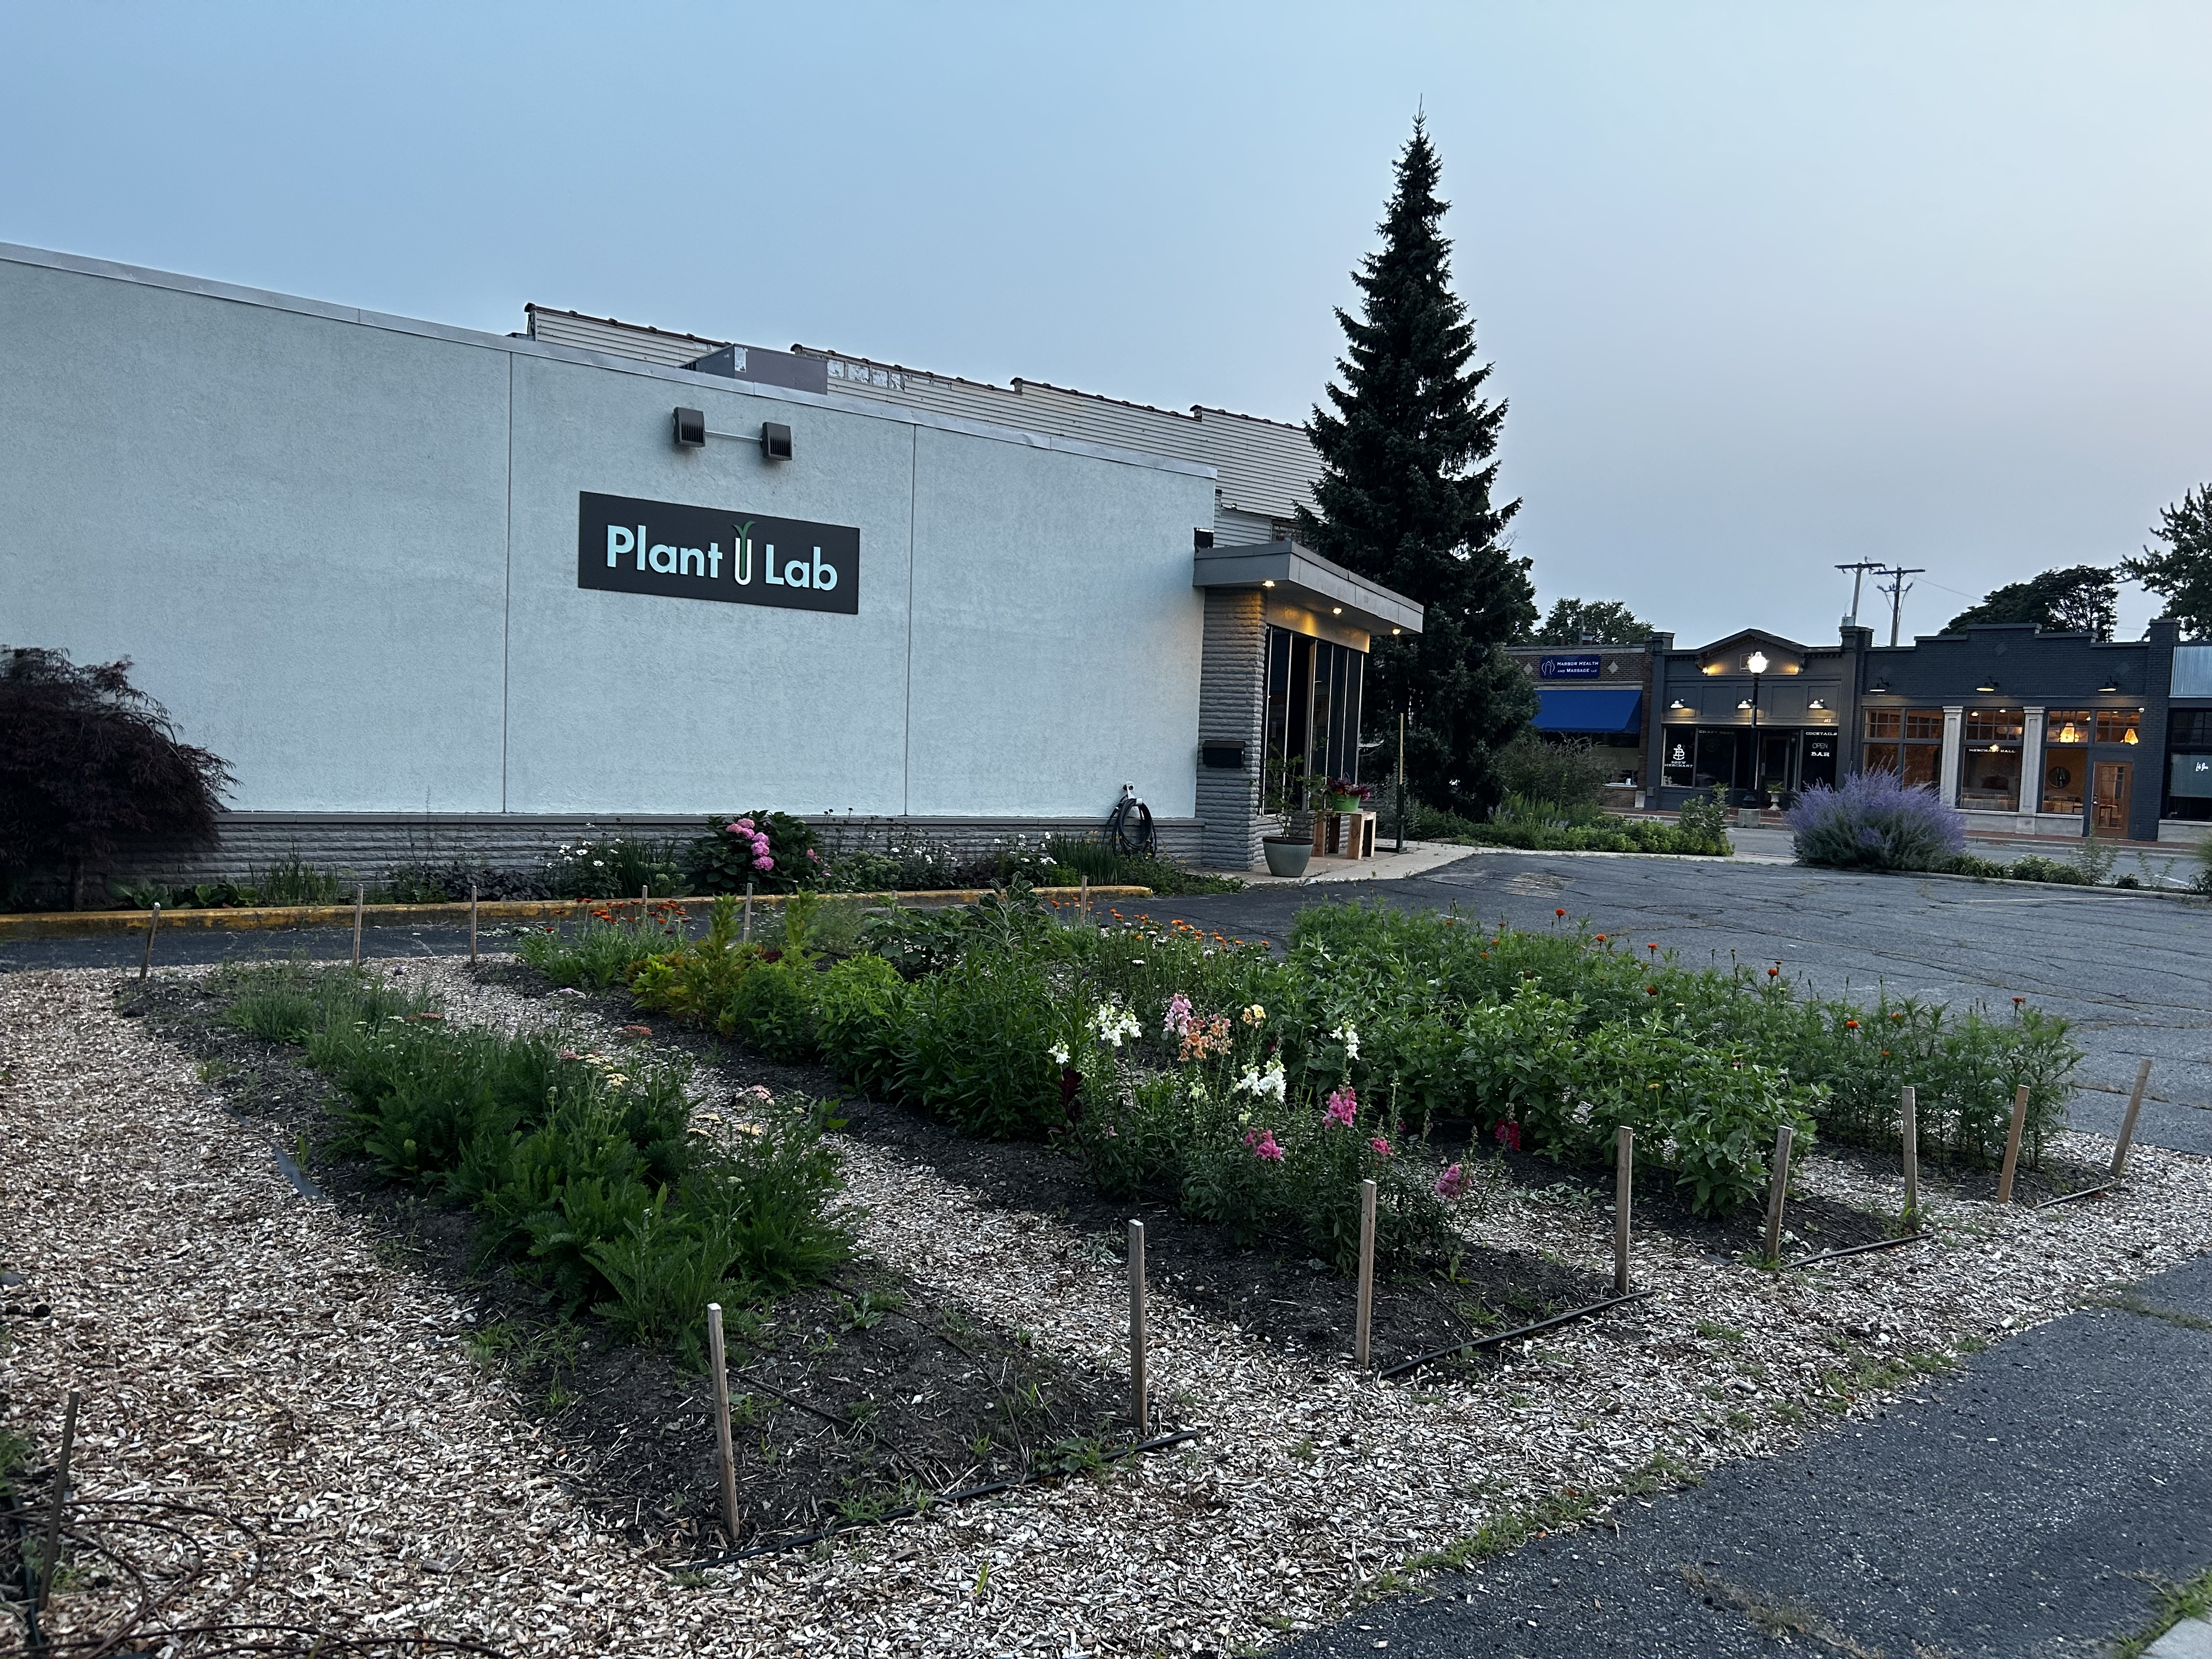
1878,691
1677,703
2108,688
691,433
1816,703
1269,583
1987,685
1336,611
1397,630
1746,703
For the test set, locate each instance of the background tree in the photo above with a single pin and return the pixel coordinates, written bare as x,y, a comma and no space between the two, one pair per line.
2086,597
1597,622
2182,576
87,760
1404,499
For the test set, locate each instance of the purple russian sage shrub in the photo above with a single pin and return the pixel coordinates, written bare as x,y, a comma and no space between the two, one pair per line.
1875,822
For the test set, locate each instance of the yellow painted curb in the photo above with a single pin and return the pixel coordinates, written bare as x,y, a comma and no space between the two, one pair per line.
67,924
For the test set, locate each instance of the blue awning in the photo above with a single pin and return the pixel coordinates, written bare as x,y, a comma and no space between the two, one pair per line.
1589,708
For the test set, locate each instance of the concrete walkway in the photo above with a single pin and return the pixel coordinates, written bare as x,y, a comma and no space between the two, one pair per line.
1418,857
2029,1506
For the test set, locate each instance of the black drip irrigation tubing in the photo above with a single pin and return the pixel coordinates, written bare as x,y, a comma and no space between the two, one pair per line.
2068,1198
1859,1249
904,1510
1481,1342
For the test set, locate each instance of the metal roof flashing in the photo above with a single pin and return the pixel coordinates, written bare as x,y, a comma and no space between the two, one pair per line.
1291,571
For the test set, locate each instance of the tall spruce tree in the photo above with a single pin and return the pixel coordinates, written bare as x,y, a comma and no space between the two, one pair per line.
1404,499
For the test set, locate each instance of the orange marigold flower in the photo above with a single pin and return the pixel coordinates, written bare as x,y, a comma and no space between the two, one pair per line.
1850,1025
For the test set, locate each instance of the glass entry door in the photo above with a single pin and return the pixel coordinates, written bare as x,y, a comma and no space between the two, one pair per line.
2112,791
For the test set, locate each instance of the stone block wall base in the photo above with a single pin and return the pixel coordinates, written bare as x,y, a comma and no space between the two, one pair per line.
368,846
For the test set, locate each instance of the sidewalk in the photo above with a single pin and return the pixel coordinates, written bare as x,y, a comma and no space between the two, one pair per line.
1417,859
2029,1505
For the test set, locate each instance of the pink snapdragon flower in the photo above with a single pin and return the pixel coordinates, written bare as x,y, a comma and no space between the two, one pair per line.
1382,1146
1508,1135
1343,1106
1180,1019
1261,1144
1454,1182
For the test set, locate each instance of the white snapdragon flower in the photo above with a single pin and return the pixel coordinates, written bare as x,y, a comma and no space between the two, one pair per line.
1348,1035
1059,1054
1113,1023
1262,1084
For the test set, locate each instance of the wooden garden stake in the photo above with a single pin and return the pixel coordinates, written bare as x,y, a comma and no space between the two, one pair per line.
1778,1191
725,1459
2012,1145
153,922
1908,1112
644,893
1624,1175
1084,903
1366,1317
745,936
1138,1388
54,1516
359,900
472,924
2128,1123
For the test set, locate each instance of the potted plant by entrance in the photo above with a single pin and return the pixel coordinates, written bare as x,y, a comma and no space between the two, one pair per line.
1288,854
1347,797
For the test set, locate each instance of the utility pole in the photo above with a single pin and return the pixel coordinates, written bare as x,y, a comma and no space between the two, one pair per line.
1858,574
1897,588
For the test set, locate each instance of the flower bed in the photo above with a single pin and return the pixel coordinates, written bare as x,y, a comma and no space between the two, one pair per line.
1259,1091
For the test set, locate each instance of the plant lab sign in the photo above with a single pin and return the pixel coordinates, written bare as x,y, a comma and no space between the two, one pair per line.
629,546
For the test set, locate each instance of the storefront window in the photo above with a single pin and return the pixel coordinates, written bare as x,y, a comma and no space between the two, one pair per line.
1906,741
2065,758
1678,769
2189,764
2119,724
1989,768
1313,705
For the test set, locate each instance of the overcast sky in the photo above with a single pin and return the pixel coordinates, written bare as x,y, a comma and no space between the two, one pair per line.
1769,288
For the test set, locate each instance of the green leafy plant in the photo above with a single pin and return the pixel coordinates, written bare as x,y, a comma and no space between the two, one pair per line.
615,867
580,1166
605,949
771,851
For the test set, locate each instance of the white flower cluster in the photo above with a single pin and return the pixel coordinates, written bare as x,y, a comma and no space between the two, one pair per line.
1113,1023
1348,1035
1261,1084
1058,1053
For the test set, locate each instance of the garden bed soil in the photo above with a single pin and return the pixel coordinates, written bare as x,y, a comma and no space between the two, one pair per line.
850,1398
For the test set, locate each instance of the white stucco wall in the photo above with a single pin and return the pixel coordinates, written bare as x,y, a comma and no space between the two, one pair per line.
342,549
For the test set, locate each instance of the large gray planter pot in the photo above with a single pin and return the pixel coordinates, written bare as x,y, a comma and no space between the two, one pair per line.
1286,855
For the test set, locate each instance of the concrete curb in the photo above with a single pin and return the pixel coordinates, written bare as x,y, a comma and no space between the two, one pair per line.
70,924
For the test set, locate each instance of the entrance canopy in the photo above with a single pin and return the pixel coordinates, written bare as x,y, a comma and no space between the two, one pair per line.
1590,708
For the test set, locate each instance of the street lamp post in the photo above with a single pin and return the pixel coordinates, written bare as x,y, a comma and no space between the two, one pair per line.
1756,662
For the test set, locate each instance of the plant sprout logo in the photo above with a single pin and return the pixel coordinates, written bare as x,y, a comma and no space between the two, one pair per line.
744,555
